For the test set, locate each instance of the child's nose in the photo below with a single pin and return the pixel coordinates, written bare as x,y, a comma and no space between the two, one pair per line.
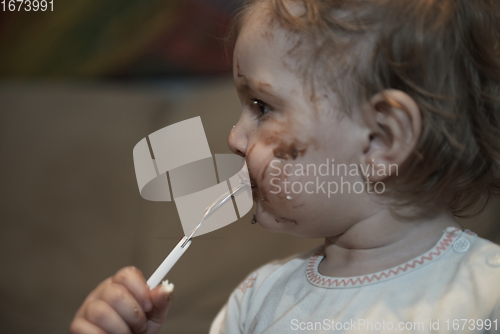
237,141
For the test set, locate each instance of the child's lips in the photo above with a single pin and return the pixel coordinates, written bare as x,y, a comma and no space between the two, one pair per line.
254,187
253,184
257,195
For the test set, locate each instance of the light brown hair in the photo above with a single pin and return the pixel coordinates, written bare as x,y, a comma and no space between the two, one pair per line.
445,54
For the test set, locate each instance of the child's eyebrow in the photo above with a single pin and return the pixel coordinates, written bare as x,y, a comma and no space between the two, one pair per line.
249,85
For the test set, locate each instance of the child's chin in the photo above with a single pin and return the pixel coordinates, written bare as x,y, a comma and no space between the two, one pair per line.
271,226
274,223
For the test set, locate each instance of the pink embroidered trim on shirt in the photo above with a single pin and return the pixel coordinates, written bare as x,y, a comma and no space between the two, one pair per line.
316,278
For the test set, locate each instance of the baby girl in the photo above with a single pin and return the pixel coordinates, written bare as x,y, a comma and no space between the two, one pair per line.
371,124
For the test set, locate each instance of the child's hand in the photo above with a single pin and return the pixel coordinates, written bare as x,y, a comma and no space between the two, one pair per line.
123,303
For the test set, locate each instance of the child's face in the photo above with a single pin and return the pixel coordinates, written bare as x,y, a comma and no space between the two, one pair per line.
280,132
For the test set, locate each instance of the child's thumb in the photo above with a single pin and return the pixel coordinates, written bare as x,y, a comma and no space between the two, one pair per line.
161,296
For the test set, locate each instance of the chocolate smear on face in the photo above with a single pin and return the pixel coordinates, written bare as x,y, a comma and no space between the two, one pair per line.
290,150
286,220
249,151
285,149
238,73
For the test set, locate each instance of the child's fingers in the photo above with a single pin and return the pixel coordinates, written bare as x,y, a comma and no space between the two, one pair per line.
127,307
102,315
134,281
82,326
161,299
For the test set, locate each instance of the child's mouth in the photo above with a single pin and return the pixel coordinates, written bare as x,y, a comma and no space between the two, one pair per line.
255,189
253,184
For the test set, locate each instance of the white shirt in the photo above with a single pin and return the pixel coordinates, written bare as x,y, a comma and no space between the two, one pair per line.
453,288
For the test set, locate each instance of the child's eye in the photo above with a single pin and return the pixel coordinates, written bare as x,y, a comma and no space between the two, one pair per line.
261,106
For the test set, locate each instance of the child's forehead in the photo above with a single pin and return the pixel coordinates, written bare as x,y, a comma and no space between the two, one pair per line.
262,22
257,41
257,26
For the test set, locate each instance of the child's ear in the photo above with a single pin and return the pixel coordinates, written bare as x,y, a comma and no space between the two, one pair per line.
394,126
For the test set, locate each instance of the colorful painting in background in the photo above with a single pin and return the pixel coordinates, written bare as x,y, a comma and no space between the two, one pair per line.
124,39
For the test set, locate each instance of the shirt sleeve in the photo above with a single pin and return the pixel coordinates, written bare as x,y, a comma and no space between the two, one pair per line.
216,326
237,314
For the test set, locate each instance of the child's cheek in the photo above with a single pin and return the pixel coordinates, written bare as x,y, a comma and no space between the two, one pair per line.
283,143
279,181
273,180
279,173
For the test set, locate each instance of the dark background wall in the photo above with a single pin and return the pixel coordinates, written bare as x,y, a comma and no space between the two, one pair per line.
116,39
